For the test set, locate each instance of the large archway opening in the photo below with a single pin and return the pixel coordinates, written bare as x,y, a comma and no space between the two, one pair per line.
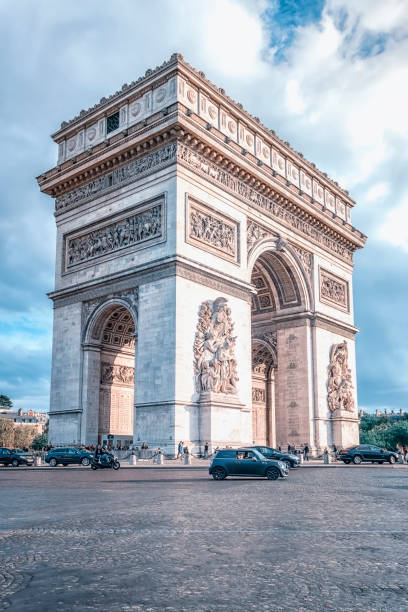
280,404
109,376
117,379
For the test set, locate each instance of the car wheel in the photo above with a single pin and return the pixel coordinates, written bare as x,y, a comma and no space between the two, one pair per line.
85,461
116,465
380,462
391,459
346,461
357,460
219,473
272,473
14,463
53,462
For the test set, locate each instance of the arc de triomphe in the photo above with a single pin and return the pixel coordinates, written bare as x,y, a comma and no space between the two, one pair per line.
203,284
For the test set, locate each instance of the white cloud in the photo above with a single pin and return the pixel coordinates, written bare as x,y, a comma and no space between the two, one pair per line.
379,190
394,228
340,97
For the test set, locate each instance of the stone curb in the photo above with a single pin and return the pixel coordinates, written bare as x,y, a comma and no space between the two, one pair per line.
45,468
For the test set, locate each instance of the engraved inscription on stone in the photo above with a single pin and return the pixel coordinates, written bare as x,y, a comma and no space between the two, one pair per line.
333,290
212,231
130,231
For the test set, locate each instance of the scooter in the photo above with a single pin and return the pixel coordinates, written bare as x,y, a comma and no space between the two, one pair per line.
105,461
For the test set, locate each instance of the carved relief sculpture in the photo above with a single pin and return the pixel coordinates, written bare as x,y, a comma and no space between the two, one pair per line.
258,395
333,290
255,233
340,395
212,231
215,366
118,178
128,232
116,374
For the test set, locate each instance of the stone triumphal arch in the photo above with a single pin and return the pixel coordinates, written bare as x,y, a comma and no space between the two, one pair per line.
203,286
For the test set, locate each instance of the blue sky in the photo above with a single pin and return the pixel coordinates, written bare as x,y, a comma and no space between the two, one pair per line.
330,77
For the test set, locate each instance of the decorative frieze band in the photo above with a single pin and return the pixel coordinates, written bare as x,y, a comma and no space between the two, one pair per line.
211,230
292,219
136,230
334,291
152,162
116,374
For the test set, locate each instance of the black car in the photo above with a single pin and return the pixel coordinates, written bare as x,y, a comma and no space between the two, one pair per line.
367,452
15,457
68,455
245,462
291,461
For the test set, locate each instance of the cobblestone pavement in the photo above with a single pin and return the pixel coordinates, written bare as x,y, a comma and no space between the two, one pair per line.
161,540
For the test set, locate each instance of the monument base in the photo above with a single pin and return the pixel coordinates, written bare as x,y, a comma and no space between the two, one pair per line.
223,420
345,428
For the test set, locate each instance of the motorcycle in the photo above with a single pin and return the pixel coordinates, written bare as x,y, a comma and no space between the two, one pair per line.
105,461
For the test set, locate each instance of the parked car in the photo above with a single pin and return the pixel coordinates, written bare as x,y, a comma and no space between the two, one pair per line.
291,461
246,462
67,456
16,457
367,452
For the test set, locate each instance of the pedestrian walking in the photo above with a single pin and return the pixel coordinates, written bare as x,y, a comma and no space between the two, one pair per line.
180,450
206,447
306,452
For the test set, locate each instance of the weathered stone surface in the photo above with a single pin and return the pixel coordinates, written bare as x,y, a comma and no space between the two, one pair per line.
164,217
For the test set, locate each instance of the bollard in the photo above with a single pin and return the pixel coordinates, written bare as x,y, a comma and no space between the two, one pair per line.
301,458
326,458
38,462
187,459
160,459
132,460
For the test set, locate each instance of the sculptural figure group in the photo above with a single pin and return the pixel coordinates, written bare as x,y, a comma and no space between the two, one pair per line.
340,395
215,366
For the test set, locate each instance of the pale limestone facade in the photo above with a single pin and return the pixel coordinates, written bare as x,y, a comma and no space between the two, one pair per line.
169,196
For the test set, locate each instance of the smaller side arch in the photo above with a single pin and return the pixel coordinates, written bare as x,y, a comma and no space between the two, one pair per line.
288,256
94,325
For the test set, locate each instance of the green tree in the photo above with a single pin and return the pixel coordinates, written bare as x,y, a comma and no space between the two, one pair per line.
40,441
6,433
24,435
5,401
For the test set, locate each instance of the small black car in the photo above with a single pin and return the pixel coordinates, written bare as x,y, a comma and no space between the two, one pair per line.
69,455
272,453
15,457
367,452
245,462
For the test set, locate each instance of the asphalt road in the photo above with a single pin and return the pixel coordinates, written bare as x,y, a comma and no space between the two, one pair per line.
161,540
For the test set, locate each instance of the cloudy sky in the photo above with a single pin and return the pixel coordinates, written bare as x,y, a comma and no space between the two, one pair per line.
330,77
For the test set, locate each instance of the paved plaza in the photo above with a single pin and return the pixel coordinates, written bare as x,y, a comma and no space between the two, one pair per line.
153,539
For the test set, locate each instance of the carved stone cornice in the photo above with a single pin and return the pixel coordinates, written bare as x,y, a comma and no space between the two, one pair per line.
210,164
119,283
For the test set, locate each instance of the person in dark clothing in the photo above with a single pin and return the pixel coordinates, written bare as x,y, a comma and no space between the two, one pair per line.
306,452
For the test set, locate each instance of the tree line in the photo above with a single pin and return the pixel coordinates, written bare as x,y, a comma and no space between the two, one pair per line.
384,431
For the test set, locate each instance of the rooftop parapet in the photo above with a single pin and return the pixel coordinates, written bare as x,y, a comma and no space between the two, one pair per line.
175,81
